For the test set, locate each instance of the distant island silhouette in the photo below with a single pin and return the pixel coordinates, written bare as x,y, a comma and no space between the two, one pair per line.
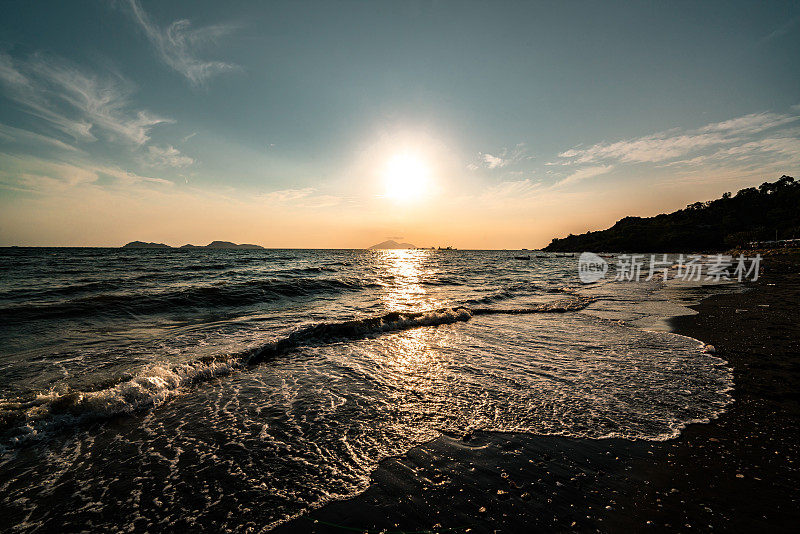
213,245
771,211
226,244
391,244
142,244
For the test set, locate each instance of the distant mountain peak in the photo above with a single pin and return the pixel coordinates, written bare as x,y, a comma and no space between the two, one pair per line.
391,244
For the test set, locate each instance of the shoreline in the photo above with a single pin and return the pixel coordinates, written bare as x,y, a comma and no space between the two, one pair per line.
739,471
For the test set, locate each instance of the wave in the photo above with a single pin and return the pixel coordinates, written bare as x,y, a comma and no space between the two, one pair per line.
217,295
556,307
493,297
78,286
205,267
515,291
445,281
311,269
23,420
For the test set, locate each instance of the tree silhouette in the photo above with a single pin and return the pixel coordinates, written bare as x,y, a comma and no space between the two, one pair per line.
752,214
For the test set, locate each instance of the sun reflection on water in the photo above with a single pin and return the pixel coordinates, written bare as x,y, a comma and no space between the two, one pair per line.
404,271
408,361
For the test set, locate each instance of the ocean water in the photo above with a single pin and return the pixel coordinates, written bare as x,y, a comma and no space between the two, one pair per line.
233,390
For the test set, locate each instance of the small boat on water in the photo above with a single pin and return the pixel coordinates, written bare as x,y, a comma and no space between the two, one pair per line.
522,257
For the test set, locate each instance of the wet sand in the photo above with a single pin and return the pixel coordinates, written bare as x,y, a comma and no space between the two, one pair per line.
740,472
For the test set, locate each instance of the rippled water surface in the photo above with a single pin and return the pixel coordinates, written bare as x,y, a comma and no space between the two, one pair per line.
235,389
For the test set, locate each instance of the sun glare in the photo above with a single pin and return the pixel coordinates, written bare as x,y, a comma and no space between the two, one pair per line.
407,178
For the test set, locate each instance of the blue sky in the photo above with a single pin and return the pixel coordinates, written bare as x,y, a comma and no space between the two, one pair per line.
275,123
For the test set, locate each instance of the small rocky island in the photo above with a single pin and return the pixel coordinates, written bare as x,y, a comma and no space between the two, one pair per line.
213,245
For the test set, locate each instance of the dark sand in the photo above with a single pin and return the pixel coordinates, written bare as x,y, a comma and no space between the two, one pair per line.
739,473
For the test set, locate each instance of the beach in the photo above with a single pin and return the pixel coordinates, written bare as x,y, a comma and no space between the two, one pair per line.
247,390
399,267
739,472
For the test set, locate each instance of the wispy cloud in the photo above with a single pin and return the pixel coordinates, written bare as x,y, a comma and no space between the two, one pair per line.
20,135
783,150
512,189
285,195
10,75
74,102
32,96
750,124
671,145
583,174
651,148
494,162
300,198
168,157
503,158
178,44
38,175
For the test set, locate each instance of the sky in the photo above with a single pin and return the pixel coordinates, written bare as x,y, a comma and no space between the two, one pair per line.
343,124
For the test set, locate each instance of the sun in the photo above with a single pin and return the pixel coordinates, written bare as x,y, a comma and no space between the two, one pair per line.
406,177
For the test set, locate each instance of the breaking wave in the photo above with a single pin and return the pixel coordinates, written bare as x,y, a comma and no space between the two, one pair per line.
21,420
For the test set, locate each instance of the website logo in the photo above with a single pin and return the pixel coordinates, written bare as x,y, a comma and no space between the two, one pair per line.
591,267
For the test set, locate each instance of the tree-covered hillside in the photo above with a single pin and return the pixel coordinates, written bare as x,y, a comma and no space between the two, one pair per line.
752,214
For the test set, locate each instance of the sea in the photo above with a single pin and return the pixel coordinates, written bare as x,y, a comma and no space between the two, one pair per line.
232,390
